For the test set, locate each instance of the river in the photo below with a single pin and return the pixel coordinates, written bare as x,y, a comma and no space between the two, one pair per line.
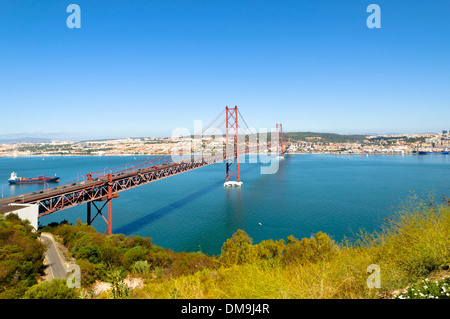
193,211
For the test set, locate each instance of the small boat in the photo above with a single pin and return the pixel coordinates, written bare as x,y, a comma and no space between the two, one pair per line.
14,179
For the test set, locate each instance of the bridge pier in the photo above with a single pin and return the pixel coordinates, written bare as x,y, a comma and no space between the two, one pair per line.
88,217
108,200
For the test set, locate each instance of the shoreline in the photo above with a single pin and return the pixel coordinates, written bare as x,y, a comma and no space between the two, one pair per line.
134,155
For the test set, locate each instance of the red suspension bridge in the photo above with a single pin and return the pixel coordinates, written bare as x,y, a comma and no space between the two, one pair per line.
98,189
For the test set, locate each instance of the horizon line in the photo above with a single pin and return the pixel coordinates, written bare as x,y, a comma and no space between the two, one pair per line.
38,136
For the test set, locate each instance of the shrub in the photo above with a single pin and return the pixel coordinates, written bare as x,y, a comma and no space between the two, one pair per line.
237,249
134,254
119,288
91,272
112,256
54,289
141,241
141,267
189,263
91,253
160,257
269,249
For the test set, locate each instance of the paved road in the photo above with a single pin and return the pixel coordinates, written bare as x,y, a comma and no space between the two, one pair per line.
56,266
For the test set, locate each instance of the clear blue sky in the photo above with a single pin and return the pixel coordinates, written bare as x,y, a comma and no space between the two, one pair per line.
144,68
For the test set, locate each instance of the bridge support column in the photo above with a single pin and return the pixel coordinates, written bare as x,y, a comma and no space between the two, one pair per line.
99,212
232,151
110,197
108,200
89,219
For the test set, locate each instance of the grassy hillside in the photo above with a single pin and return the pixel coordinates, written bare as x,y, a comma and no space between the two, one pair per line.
414,245
322,137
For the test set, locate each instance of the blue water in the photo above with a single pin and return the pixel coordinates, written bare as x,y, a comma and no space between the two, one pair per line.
192,211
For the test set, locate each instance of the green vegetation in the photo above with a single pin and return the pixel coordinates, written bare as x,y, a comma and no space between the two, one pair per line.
61,149
99,255
393,139
426,289
323,137
413,246
54,289
21,256
310,136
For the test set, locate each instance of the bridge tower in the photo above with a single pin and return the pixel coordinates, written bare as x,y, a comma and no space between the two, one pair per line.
280,152
233,177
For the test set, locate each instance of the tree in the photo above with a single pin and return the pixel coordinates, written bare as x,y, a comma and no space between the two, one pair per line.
237,249
318,247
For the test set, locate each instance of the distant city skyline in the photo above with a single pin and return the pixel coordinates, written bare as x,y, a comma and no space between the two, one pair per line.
143,69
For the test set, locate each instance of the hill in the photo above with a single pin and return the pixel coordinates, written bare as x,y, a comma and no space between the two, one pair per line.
25,140
322,137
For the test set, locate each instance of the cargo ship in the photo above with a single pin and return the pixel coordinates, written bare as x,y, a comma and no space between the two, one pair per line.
14,179
430,151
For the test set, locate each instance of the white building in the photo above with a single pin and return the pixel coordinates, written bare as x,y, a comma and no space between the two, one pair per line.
24,211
